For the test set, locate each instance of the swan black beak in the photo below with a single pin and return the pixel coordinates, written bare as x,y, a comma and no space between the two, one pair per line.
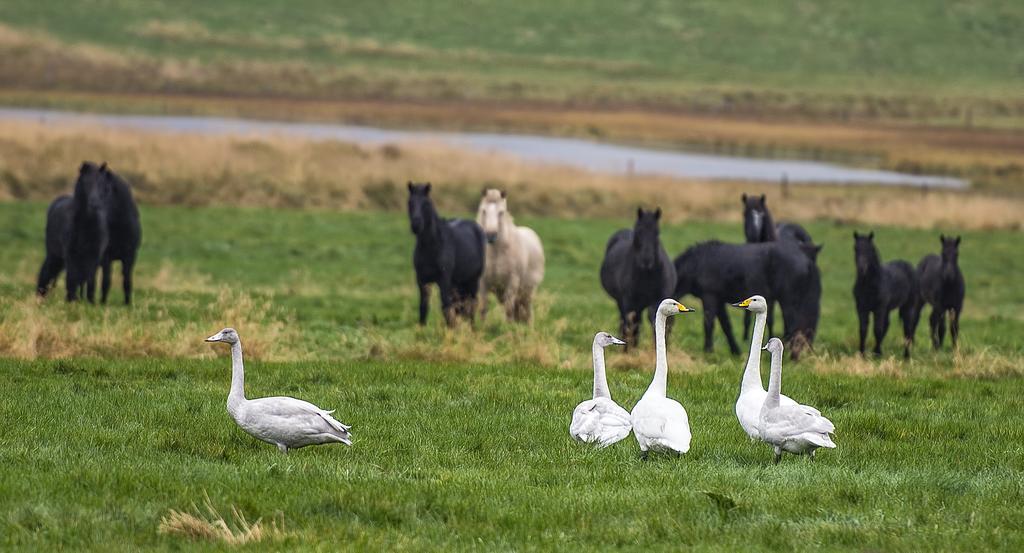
617,342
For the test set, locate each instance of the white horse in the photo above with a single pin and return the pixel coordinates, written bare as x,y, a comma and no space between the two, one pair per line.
514,265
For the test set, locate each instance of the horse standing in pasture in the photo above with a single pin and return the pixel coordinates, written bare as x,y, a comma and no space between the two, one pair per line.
942,286
881,288
91,229
759,226
637,273
720,273
514,265
449,253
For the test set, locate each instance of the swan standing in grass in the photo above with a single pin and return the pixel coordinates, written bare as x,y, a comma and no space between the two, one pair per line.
600,420
283,421
752,392
660,424
798,429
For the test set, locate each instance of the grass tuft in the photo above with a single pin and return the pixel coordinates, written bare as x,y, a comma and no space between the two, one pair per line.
212,526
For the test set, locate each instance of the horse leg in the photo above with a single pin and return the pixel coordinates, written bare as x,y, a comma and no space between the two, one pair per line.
105,281
954,325
90,286
127,267
940,330
862,320
52,266
483,299
511,298
909,320
709,325
424,301
633,328
723,320
933,322
881,327
447,293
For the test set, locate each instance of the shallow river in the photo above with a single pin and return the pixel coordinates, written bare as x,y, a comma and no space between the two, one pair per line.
583,154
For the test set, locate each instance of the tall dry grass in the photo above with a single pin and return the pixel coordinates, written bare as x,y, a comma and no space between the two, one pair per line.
212,526
38,162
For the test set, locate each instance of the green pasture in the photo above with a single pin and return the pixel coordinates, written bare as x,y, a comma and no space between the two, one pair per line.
473,452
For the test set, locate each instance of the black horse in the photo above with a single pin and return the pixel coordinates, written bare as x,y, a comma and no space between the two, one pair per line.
881,288
759,226
449,253
942,286
720,273
637,273
96,226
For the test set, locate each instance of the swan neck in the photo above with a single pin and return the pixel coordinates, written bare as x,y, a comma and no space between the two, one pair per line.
774,382
600,380
237,374
752,373
659,386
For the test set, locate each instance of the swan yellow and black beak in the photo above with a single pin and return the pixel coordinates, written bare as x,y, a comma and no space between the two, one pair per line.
684,309
742,304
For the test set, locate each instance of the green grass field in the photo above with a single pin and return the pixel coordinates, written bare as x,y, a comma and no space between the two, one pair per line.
913,60
461,436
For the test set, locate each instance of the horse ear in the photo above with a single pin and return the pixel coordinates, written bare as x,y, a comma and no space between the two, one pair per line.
871,235
409,186
427,188
657,214
764,198
942,238
83,167
103,167
819,247
957,240
743,198
483,192
504,194
855,235
639,212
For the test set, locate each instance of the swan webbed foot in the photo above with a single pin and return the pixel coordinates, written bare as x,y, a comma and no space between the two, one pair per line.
643,455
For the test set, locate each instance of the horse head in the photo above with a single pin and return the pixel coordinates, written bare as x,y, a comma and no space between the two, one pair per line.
91,188
864,252
421,208
950,253
756,219
492,213
646,238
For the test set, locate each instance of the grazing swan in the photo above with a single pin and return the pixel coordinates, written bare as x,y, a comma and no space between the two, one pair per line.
660,423
600,419
798,429
283,421
752,392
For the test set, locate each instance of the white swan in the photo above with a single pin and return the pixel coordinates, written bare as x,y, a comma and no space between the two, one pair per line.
600,420
660,423
283,421
752,392
798,429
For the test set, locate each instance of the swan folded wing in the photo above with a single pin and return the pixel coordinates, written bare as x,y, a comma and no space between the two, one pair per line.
665,425
586,421
600,421
792,421
297,412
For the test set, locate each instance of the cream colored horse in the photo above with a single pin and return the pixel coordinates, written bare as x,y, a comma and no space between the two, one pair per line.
515,258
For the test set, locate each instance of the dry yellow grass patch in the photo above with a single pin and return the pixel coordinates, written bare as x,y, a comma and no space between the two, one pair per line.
40,162
212,526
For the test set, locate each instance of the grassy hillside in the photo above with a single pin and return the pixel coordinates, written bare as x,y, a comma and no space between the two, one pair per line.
917,59
461,435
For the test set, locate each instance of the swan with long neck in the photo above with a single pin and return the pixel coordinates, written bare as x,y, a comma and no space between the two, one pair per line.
660,423
752,392
285,422
600,420
797,429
